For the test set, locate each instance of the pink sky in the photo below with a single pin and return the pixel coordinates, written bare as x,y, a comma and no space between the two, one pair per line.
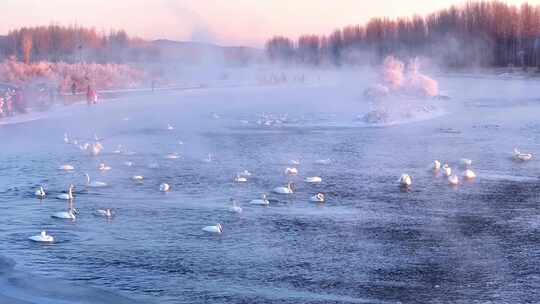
226,22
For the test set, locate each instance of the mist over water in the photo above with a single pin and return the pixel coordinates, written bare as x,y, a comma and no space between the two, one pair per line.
369,243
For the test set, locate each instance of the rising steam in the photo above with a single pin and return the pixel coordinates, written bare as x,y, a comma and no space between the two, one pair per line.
398,79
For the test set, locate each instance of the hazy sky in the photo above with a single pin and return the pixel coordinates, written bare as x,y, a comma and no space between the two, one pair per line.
228,22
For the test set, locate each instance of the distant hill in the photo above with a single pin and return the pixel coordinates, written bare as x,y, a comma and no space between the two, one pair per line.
197,52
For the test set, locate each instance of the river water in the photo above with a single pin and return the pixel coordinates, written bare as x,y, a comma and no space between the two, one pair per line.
369,243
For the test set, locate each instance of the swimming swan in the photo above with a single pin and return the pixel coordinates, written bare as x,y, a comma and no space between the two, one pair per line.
313,179
405,180
469,174
40,193
291,171
436,166
240,179
172,156
518,156
66,168
447,171
68,195
285,190
453,180
319,198
118,150
103,167
465,162
138,178
104,213
43,237
235,208
209,158
245,173
164,187
323,161
214,229
94,184
261,201
65,215
153,166
95,149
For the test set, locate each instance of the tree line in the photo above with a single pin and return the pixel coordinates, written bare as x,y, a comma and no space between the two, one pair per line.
56,43
484,33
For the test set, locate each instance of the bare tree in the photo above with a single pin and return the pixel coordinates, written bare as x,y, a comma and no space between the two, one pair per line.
26,45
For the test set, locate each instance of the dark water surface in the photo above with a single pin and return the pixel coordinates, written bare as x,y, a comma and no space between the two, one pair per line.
369,243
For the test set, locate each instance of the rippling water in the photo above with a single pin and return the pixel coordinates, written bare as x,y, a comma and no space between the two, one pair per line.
369,243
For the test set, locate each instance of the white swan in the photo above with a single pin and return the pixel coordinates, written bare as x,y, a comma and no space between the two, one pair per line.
319,198
285,190
137,178
65,215
518,156
95,149
40,193
164,187
240,179
261,201
84,147
94,184
66,168
209,158
405,180
172,156
214,229
469,174
313,179
43,237
68,195
245,173
465,162
170,127
326,161
436,166
104,213
453,180
153,166
447,171
291,171
235,208
128,164
118,150
103,167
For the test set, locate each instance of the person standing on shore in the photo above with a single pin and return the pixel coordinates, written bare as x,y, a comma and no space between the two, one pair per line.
9,104
91,95
73,88
18,100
